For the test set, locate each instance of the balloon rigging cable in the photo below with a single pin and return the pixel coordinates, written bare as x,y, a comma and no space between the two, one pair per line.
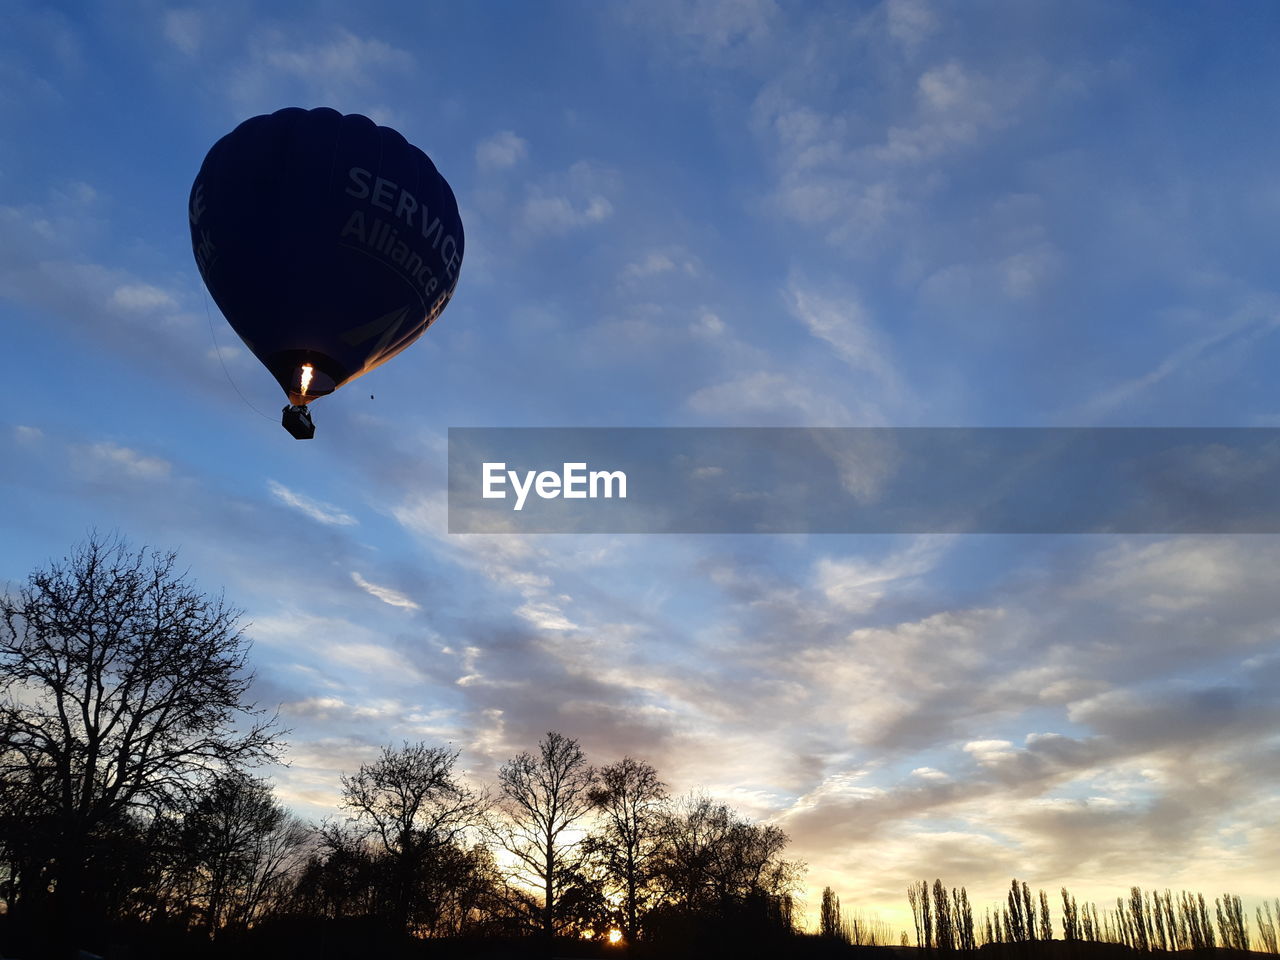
218,350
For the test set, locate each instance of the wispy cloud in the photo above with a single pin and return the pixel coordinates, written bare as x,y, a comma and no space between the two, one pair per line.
713,31
338,68
142,296
856,584
321,512
1244,329
910,22
184,28
660,262
127,461
772,398
845,324
388,596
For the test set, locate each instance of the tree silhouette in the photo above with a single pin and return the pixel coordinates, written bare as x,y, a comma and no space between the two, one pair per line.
543,796
1267,926
1233,926
722,872
1071,929
123,688
829,923
413,808
629,800
237,846
921,913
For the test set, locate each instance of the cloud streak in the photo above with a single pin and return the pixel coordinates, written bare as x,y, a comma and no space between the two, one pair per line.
320,512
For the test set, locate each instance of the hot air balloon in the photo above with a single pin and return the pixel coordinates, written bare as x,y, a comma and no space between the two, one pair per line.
328,242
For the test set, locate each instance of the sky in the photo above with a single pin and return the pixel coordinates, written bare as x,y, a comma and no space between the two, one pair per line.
700,213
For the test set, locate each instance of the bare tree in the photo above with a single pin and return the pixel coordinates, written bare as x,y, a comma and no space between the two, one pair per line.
865,930
338,879
943,919
1070,917
1137,920
414,809
1267,927
122,688
962,912
544,796
716,866
1233,923
240,845
629,798
922,914
1021,916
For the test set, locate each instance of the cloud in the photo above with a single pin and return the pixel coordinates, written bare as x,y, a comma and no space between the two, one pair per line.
558,205
950,90
1168,579
142,297
545,616
373,659
769,398
1010,259
385,594
132,317
1245,328
77,192
345,59
1025,273
867,172
910,22
845,325
127,461
321,512
857,585
707,326
555,214
184,28
225,353
990,752
971,692
712,31
929,773
558,214
501,151
343,70
329,709
659,262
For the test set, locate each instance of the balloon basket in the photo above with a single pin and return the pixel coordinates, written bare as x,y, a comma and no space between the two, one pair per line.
297,420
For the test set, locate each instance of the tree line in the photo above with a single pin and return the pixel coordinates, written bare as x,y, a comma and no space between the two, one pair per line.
129,807
1145,921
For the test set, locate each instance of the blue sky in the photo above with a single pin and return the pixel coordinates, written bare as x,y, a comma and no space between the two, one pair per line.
700,212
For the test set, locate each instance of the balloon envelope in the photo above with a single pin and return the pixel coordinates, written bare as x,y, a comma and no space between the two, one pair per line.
328,242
